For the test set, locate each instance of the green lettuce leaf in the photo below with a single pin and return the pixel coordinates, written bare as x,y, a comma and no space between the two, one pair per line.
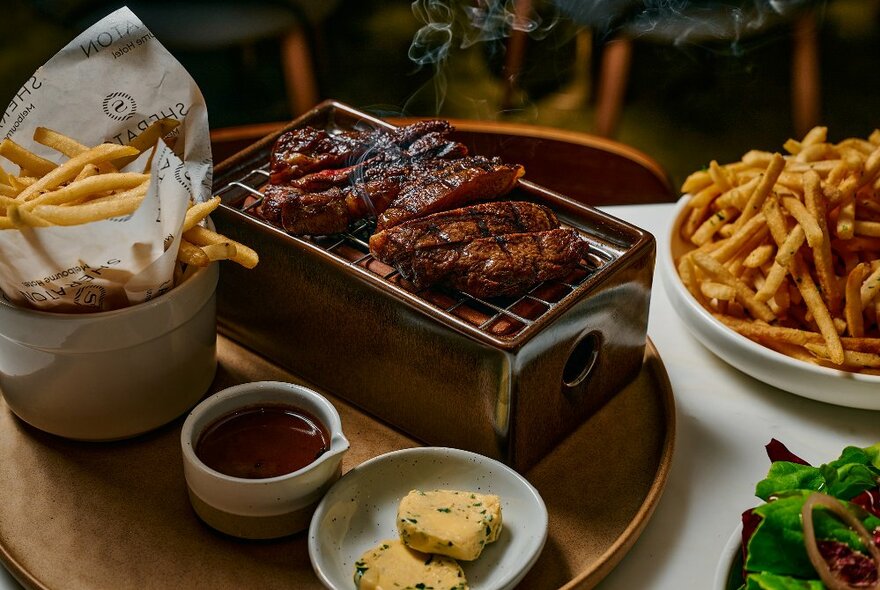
777,546
873,453
855,471
767,581
785,476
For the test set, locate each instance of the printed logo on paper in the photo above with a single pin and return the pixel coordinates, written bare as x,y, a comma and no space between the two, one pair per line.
90,296
119,106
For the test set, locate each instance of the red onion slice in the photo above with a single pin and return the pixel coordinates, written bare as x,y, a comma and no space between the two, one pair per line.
848,518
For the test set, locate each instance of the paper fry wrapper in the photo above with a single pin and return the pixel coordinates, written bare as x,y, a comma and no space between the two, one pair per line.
107,86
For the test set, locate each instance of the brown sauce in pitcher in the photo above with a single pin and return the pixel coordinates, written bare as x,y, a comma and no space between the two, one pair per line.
263,441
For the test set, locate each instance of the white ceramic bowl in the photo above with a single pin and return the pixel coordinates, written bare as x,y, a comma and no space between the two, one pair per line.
269,507
361,510
731,557
812,381
113,374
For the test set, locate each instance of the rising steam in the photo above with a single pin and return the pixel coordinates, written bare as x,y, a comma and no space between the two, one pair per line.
450,24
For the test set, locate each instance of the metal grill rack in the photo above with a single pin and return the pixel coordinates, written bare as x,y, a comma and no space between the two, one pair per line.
501,317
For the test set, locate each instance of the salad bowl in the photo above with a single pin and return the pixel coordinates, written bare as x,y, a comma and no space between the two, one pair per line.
819,526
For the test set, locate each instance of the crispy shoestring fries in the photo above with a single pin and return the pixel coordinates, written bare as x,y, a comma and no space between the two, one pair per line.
88,186
786,248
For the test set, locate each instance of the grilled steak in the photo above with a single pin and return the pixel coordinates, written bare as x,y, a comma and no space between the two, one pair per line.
301,213
417,186
307,150
500,265
395,245
454,183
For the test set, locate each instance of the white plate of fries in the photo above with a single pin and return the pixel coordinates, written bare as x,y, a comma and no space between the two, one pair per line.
774,265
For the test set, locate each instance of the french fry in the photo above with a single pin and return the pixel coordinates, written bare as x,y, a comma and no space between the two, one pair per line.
817,151
759,256
718,291
811,228
59,142
139,191
817,307
851,358
744,293
867,228
870,288
737,196
822,257
88,212
708,228
696,182
705,196
198,212
853,310
21,218
756,200
88,170
191,254
846,218
872,168
26,159
146,139
73,167
784,256
221,251
90,185
719,177
202,236
731,245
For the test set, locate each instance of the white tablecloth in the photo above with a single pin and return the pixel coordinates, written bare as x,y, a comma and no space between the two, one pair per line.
724,419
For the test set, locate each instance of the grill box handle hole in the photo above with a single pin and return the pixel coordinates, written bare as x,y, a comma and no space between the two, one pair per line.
581,361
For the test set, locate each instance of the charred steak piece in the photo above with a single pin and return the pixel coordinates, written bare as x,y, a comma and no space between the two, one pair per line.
306,150
500,265
395,245
391,162
430,184
431,188
302,213
330,211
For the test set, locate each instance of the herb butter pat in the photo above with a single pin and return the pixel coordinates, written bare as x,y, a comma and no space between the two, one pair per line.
447,522
393,566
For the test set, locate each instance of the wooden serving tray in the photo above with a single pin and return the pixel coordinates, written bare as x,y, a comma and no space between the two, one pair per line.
116,515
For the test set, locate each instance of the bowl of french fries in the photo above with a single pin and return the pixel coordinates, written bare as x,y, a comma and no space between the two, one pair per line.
774,265
101,366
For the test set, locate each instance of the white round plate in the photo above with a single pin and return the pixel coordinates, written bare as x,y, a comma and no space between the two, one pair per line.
360,511
841,388
730,558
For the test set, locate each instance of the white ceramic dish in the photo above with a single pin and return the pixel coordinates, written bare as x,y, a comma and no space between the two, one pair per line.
270,507
811,381
361,510
112,374
729,559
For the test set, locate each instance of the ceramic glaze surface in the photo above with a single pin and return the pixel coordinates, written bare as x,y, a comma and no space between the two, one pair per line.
111,375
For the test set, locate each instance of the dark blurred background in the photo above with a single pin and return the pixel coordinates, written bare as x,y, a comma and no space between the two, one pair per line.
697,80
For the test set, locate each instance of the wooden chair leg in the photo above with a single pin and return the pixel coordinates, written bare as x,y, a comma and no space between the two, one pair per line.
805,93
515,54
613,74
299,71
